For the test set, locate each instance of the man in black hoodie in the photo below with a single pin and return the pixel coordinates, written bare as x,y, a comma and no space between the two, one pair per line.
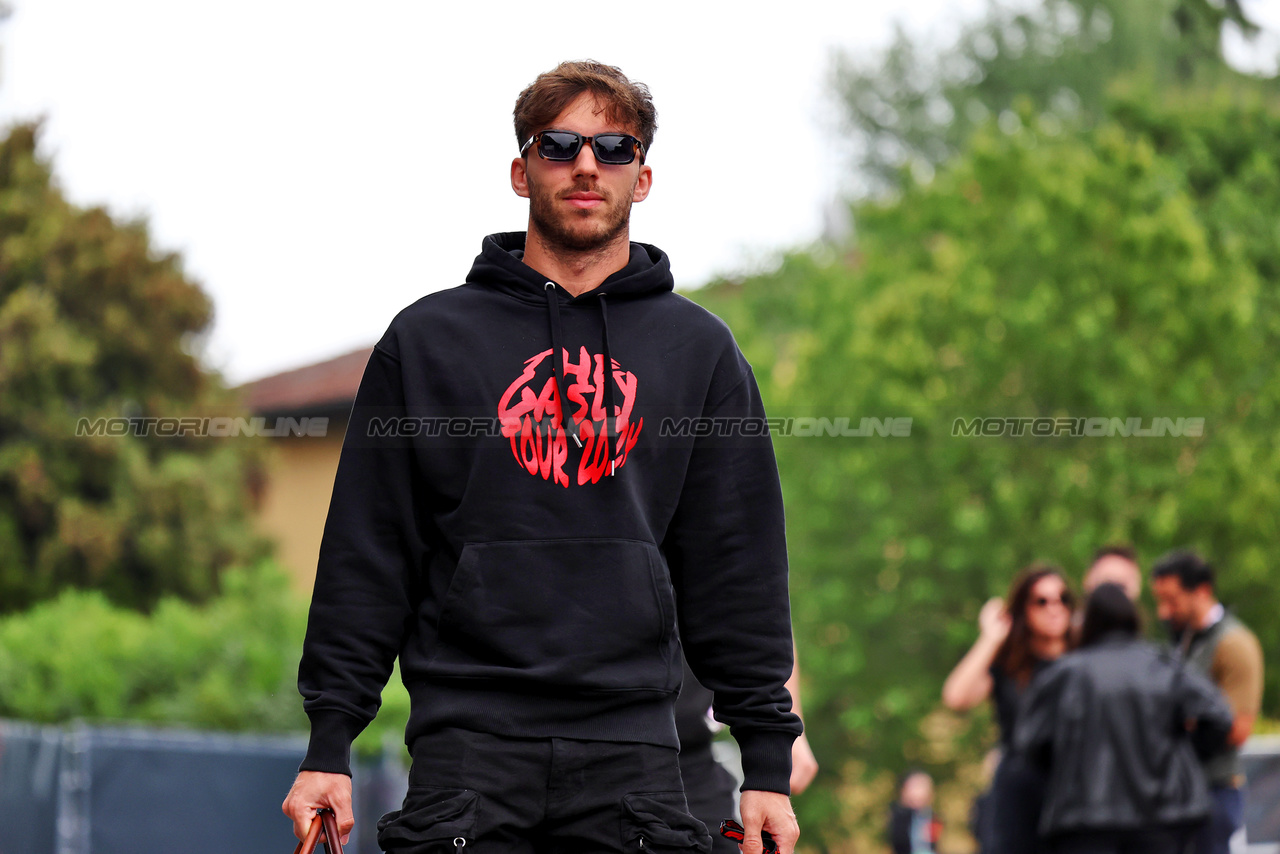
555,476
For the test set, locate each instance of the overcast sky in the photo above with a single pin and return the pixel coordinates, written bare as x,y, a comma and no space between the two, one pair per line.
320,166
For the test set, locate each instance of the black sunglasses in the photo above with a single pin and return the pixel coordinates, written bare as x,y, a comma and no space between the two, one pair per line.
1066,600
616,149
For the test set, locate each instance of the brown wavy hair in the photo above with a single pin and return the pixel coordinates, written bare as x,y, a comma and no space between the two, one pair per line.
626,102
1015,657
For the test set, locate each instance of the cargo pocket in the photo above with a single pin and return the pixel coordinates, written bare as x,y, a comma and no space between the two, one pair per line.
660,821
431,820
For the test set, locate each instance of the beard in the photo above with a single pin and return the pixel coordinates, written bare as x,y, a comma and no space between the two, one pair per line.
578,231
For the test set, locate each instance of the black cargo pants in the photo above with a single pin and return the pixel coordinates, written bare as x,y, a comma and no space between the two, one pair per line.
474,793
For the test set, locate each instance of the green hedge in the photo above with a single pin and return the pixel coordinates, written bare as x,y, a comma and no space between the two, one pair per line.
229,664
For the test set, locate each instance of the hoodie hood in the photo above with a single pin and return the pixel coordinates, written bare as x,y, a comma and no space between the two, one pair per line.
500,265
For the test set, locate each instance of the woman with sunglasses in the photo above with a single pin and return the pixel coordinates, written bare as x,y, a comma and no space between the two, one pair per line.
1018,637
1116,726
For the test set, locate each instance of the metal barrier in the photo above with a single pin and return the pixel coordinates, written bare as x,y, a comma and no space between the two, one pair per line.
1261,758
130,790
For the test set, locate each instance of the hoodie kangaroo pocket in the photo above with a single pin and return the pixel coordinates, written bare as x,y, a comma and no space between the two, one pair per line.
593,614
660,822
430,820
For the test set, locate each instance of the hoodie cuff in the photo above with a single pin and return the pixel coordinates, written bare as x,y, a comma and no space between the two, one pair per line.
766,760
330,747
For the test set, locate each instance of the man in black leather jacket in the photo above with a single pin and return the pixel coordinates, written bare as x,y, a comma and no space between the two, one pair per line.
1117,725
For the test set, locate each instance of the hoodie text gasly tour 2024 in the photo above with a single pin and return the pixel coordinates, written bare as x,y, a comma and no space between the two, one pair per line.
536,566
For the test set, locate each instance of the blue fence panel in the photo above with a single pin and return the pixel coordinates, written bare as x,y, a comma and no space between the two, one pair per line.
130,790
30,767
1261,758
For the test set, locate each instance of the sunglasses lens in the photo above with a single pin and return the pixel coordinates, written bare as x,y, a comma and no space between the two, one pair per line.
559,145
614,148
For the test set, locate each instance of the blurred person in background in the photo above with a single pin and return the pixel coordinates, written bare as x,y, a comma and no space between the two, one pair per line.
1115,564
1112,564
804,765
1216,644
1017,638
981,815
708,785
913,829
1116,726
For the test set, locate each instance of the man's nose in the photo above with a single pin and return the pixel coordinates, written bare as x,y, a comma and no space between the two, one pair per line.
585,163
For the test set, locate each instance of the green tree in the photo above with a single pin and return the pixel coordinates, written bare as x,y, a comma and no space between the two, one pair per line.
1038,274
95,323
915,104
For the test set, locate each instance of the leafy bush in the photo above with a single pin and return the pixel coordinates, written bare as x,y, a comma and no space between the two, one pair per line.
229,664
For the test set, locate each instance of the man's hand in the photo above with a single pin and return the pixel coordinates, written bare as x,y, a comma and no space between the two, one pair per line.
313,790
1241,729
804,765
769,811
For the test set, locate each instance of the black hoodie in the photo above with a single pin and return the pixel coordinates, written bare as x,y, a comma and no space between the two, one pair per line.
536,577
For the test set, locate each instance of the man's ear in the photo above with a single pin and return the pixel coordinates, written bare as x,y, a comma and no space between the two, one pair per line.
520,177
644,181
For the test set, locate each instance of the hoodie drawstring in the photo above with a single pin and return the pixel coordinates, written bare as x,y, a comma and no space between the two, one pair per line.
557,359
609,432
557,368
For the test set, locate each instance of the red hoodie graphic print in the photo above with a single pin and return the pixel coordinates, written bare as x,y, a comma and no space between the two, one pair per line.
532,418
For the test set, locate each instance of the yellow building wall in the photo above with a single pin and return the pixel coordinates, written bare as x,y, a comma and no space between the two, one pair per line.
295,501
